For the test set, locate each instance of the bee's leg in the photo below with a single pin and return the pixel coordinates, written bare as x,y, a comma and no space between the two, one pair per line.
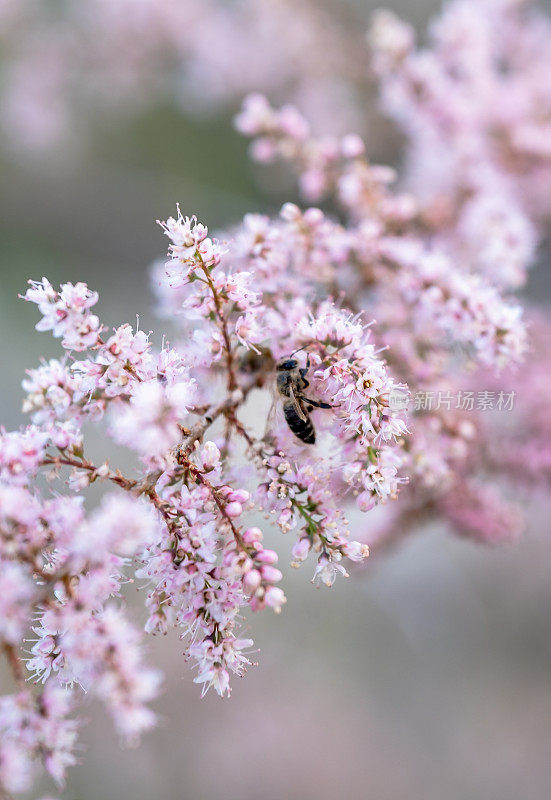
317,403
304,372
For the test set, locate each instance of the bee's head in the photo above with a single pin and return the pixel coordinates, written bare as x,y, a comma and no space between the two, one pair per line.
285,364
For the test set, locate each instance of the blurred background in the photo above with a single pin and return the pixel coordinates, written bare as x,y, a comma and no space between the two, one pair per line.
427,675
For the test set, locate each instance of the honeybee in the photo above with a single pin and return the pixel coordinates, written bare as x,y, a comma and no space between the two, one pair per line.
291,382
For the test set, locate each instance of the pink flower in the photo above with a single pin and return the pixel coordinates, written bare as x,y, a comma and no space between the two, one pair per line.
21,454
149,424
66,313
327,569
16,593
274,598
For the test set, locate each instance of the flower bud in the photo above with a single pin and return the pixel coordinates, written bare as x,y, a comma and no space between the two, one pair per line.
301,549
210,455
266,557
262,150
239,495
275,598
103,470
290,212
352,146
256,603
271,574
234,509
251,581
313,216
252,535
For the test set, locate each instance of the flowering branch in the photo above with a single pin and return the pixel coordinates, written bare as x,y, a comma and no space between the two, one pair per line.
285,304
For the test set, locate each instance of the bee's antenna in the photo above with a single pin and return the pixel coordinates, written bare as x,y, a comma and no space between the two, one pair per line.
298,351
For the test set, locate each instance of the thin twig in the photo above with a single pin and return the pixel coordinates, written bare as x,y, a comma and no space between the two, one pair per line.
15,663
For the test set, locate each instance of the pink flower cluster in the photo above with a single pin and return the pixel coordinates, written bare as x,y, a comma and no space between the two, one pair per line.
433,308
121,54
475,106
35,729
182,523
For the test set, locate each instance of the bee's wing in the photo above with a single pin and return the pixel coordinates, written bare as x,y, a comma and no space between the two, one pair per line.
273,413
298,405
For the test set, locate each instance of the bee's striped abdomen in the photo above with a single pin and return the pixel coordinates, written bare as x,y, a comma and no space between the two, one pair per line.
303,429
